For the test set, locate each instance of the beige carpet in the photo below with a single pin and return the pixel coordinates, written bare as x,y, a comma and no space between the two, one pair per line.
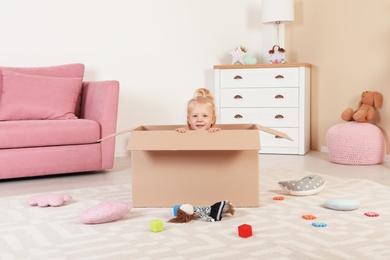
279,231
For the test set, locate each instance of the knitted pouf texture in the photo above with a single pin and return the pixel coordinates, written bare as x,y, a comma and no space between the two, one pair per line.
356,144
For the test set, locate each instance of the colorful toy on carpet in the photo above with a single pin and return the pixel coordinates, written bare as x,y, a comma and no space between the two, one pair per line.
342,204
309,185
156,225
371,214
49,200
319,224
309,217
187,212
106,211
241,56
369,103
245,230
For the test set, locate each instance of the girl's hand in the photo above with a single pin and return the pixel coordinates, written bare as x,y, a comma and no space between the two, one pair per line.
181,130
214,129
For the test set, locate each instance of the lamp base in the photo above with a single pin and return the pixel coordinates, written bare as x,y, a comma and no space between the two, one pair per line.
277,55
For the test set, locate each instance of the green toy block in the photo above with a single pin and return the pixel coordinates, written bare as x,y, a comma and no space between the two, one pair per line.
156,225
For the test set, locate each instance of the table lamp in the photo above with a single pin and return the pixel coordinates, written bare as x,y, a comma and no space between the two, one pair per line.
277,12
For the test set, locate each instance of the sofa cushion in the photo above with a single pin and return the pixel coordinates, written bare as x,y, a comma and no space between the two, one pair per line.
36,133
74,70
38,97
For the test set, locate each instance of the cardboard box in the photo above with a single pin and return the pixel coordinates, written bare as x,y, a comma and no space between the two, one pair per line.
196,167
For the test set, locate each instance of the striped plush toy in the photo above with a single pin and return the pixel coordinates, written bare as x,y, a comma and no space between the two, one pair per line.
187,212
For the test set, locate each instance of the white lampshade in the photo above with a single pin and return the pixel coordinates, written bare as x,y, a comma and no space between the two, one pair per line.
277,11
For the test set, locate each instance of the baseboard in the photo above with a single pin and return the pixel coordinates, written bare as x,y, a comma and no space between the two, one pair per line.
325,149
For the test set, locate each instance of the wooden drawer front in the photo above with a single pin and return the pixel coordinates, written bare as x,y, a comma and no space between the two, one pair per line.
270,117
268,77
263,97
269,140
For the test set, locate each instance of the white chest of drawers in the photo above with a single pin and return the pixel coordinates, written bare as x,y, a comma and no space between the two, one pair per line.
276,96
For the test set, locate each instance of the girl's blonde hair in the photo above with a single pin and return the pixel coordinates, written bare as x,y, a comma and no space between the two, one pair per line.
202,96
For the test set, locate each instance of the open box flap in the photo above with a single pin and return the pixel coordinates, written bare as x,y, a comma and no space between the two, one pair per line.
274,132
164,138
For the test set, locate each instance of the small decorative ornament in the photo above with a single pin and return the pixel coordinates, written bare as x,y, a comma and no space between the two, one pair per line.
249,59
277,55
238,55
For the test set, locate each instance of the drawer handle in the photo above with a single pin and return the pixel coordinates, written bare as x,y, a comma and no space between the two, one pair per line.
237,97
279,96
279,77
278,137
238,77
238,116
279,116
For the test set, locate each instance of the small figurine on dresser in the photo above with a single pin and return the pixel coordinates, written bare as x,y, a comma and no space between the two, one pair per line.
277,55
240,56
187,212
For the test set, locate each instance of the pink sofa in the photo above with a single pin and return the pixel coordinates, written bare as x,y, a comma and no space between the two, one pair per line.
50,121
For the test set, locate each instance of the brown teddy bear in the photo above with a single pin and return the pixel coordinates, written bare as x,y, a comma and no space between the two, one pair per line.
369,102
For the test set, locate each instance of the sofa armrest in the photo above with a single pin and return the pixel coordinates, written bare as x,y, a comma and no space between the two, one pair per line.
99,102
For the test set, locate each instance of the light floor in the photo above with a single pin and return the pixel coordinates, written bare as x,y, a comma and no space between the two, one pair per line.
316,162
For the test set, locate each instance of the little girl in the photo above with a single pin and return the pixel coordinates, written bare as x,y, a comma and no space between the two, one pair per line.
201,112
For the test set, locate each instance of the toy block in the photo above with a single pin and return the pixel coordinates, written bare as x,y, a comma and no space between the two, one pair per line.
175,208
245,230
156,225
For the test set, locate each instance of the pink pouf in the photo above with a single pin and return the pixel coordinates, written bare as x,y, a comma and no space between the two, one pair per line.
356,143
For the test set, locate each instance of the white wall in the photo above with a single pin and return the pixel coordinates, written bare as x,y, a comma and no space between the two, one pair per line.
159,50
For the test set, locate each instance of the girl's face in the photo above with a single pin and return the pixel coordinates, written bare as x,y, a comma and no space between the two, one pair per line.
200,117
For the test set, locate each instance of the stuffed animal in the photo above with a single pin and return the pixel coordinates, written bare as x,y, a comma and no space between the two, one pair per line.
370,101
238,55
106,211
187,212
49,200
309,185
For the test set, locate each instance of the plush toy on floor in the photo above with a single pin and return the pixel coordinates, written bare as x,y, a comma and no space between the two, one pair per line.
106,211
309,185
187,212
49,200
370,101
